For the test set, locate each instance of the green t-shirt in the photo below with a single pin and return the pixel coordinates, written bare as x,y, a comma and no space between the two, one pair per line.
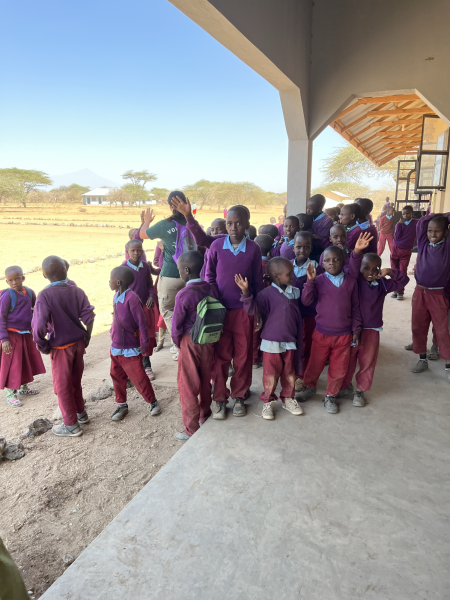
166,231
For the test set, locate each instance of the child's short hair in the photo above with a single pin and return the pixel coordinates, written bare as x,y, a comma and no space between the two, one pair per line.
252,233
441,220
335,250
319,200
294,219
365,204
55,267
271,230
307,220
131,232
131,242
304,234
372,256
123,274
241,210
276,265
13,269
338,226
408,207
355,209
265,242
192,259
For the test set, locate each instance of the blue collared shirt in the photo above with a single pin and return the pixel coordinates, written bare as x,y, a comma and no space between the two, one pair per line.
365,225
291,243
352,227
389,216
320,216
264,258
62,282
336,280
433,246
241,248
140,265
128,351
120,298
292,293
407,222
198,280
301,271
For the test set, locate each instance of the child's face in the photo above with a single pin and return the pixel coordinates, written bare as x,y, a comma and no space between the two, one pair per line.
346,216
407,214
236,226
114,283
290,229
302,249
15,280
284,277
390,211
435,232
218,227
370,269
338,237
131,234
332,263
135,251
313,209
281,219
183,271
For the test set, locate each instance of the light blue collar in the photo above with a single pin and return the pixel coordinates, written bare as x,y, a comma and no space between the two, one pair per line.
291,243
264,258
407,222
120,298
292,293
432,245
373,283
365,225
352,227
389,216
337,280
241,248
320,216
301,271
140,265
62,282
198,280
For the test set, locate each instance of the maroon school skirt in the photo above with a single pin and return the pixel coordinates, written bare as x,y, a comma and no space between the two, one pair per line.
22,363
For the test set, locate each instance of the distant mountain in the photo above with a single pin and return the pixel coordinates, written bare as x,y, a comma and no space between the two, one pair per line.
85,177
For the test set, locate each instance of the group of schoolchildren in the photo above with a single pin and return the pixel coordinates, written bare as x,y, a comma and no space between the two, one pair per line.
294,297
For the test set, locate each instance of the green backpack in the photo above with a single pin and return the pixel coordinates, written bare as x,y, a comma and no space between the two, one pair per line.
209,322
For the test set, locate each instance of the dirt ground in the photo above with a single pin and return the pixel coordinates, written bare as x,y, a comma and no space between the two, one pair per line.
64,492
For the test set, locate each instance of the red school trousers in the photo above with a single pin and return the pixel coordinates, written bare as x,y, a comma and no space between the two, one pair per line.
278,367
194,382
235,344
430,306
256,345
389,238
67,371
337,349
366,354
400,258
124,368
309,326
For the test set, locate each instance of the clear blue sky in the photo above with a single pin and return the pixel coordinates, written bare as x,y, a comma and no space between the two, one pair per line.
111,86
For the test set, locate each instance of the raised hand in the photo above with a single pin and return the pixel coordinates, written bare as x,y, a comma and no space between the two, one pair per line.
242,283
363,242
311,272
149,216
184,208
383,273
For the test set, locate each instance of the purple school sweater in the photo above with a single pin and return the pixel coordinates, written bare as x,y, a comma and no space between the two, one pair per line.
353,235
223,265
142,285
338,311
20,317
371,297
58,312
282,321
284,250
128,321
322,229
433,264
185,311
405,235
299,282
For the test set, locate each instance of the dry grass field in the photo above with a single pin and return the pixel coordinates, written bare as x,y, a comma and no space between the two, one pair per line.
27,245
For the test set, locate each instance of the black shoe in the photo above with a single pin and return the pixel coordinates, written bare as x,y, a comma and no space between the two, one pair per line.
239,408
120,413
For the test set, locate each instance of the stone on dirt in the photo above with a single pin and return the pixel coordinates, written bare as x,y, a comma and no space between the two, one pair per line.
39,426
102,392
2,444
13,451
68,559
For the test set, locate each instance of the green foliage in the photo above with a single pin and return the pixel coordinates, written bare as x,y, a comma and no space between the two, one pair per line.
349,188
221,194
68,194
159,193
120,196
16,184
139,178
137,193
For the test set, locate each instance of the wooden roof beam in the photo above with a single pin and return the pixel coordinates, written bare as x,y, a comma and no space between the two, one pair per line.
396,123
401,111
381,99
404,134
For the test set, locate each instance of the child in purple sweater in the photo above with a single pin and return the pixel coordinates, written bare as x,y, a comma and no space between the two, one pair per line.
429,303
404,242
142,286
129,339
373,287
286,248
228,257
58,315
194,360
322,223
336,293
281,334
20,360
356,222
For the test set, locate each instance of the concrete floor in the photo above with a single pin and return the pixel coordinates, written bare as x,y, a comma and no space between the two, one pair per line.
320,507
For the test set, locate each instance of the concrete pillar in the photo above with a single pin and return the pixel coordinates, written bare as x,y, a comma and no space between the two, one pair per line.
299,175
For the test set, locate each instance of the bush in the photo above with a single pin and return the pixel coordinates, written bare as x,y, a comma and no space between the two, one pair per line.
82,209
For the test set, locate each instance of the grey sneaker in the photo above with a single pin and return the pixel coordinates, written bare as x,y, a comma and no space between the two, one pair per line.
394,295
67,430
422,365
433,354
257,366
239,408
120,413
83,418
221,412
358,399
330,405
155,408
181,436
400,297
292,406
409,347
349,390
267,411
305,393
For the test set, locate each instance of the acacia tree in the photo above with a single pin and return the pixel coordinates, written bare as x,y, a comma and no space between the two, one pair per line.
159,193
139,179
120,196
201,192
20,182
